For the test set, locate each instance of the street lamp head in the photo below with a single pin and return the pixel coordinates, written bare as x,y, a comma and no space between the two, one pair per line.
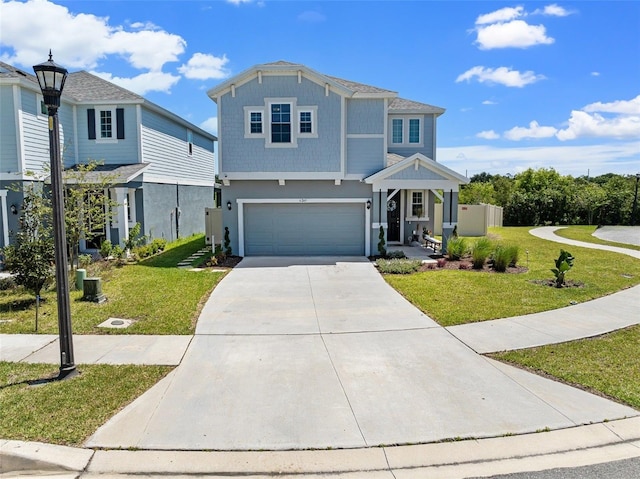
51,78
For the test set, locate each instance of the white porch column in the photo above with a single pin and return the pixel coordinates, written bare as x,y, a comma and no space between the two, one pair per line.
5,218
121,216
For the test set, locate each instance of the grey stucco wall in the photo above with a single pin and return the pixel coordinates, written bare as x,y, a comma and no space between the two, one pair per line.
159,209
13,198
292,189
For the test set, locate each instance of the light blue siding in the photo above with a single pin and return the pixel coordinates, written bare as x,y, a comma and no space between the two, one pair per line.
427,133
365,156
365,116
165,147
68,148
110,153
410,173
35,133
240,154
8,140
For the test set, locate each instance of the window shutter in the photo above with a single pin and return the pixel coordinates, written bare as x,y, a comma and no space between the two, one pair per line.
91,123
120,123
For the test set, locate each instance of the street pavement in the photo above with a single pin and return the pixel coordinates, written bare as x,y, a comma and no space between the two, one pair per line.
325,355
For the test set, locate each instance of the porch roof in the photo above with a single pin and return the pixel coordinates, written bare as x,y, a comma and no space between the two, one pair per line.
416,172
116,174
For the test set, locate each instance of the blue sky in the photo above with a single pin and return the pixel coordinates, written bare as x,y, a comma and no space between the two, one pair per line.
525,84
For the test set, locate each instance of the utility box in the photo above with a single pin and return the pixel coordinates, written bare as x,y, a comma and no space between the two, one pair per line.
213,226
92,289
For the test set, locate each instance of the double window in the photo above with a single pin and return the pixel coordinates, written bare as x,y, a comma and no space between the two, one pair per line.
406,131
281,122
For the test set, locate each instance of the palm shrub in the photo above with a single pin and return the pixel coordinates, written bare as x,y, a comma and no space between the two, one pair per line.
456,248
480,251
563,264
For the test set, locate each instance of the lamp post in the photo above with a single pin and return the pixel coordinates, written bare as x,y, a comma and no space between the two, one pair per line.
51,78
635,202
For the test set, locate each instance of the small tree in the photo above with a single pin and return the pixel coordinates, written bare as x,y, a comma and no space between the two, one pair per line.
227,242
563,264
381,249
32,254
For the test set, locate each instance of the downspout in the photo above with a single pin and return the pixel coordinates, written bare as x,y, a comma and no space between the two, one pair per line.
177,211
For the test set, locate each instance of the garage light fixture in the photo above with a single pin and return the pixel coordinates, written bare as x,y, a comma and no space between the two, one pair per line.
229,205
14,209
368,204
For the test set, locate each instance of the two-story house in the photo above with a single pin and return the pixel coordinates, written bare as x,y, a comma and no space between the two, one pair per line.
314,165
161,166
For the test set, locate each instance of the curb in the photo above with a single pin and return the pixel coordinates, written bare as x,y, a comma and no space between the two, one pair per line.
573,447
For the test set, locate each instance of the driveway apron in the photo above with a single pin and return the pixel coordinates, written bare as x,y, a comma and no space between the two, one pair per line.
296,353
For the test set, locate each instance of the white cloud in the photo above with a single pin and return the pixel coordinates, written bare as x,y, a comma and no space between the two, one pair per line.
202,66
489,102
503,15
210,125
502,75
238,2
513,34
595,74
628,107
488,135
143,83
26,27
533,131
553,10
583,124
619,157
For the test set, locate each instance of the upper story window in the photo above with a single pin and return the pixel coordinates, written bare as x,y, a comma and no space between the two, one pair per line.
189,142
396,130
108,126
256,122
414,130
406,131
281,123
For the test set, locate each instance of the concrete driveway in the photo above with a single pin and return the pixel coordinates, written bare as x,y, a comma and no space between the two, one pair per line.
296,353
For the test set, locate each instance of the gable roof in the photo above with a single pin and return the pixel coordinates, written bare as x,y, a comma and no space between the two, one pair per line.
416,160
344,87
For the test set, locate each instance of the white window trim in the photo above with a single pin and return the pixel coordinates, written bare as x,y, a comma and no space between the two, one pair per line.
114,124
39,102
248,110
405,131
425,206
294,122
314,123
131,205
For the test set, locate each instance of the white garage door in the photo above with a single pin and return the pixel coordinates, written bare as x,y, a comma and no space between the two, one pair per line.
304,229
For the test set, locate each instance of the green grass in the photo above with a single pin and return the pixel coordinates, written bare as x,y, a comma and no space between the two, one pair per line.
160,297
67,412
609,364
585,233
456,297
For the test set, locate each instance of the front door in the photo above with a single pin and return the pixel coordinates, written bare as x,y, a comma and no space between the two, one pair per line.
393,218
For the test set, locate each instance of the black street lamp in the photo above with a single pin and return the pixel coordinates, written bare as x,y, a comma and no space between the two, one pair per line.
51,78
635,202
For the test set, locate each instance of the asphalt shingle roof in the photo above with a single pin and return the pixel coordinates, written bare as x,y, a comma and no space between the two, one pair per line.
83,86
401,104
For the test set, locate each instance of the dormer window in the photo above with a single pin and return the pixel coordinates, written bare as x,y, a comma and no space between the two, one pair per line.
406,132
106,124
397,130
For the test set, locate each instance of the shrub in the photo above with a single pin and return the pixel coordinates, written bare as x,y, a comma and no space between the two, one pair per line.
563,264
85,260
398,266
480,251
106,249
514,254
158,244
7,283
396,255
118,251
227,242
441,262
456,248
382,251
465,265
501,258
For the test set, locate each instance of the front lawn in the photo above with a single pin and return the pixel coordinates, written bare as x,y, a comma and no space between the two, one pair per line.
585,233
67,412
161,298
456,297
609,364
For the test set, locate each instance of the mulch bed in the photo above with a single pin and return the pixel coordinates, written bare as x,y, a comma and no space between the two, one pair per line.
229,262
552,282
468,266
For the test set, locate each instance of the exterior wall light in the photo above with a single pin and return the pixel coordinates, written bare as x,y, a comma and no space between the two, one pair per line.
14,209
368,204
229,205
